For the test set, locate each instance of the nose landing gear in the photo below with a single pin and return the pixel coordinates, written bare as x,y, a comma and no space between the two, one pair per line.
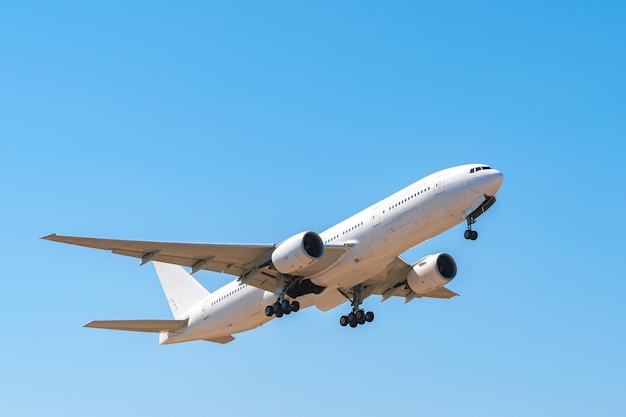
469,233
484,203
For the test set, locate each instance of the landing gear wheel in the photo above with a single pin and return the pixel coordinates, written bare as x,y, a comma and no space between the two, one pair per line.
351,319
353,324
281,308
369,317
277,308
360,317
343,321
470,234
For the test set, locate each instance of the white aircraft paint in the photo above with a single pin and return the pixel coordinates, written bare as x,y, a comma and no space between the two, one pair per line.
370,242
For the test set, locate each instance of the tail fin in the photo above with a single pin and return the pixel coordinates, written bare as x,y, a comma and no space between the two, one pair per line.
181,289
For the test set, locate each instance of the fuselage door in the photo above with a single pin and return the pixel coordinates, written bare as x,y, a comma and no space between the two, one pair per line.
376,216
440,185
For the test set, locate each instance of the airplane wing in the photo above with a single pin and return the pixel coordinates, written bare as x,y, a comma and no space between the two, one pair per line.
150,326
230,259
237,260
392,282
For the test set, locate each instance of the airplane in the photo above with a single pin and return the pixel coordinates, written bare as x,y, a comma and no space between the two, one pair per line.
351,261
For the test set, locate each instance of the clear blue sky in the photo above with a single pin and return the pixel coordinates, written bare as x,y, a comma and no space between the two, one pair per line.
247,122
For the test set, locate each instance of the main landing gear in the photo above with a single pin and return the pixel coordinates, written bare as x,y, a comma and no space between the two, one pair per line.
281,307
469,233
357,316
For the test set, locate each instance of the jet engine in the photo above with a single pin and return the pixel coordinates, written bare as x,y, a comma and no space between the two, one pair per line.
431,273
297,252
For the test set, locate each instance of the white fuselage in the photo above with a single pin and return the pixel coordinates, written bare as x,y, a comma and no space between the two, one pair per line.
377,235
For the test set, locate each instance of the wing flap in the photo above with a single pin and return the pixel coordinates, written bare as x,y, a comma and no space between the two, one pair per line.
223,339
442,292
150,326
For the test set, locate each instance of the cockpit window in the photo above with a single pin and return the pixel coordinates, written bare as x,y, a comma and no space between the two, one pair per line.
478,169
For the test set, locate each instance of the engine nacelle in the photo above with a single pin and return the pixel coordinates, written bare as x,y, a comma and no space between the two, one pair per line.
297,252
431,273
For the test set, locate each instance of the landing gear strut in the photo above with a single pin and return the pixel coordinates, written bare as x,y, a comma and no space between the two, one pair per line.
469,233
357,316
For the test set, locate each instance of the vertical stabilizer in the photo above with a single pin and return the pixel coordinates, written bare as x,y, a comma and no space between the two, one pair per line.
181,289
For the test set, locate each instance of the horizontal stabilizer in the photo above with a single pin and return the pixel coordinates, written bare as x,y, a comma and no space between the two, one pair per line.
150,326
222,340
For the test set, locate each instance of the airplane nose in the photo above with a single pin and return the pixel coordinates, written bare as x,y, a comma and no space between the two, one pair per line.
496,177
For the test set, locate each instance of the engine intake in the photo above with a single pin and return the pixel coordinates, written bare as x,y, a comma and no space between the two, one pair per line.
297,252
431,273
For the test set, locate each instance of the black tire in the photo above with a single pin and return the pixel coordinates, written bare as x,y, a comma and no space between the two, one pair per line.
284,305
474,235
279,314
353,324
369,317
467,234
295,306
351,319
360,317
277,309
269,311
343,320
287,311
